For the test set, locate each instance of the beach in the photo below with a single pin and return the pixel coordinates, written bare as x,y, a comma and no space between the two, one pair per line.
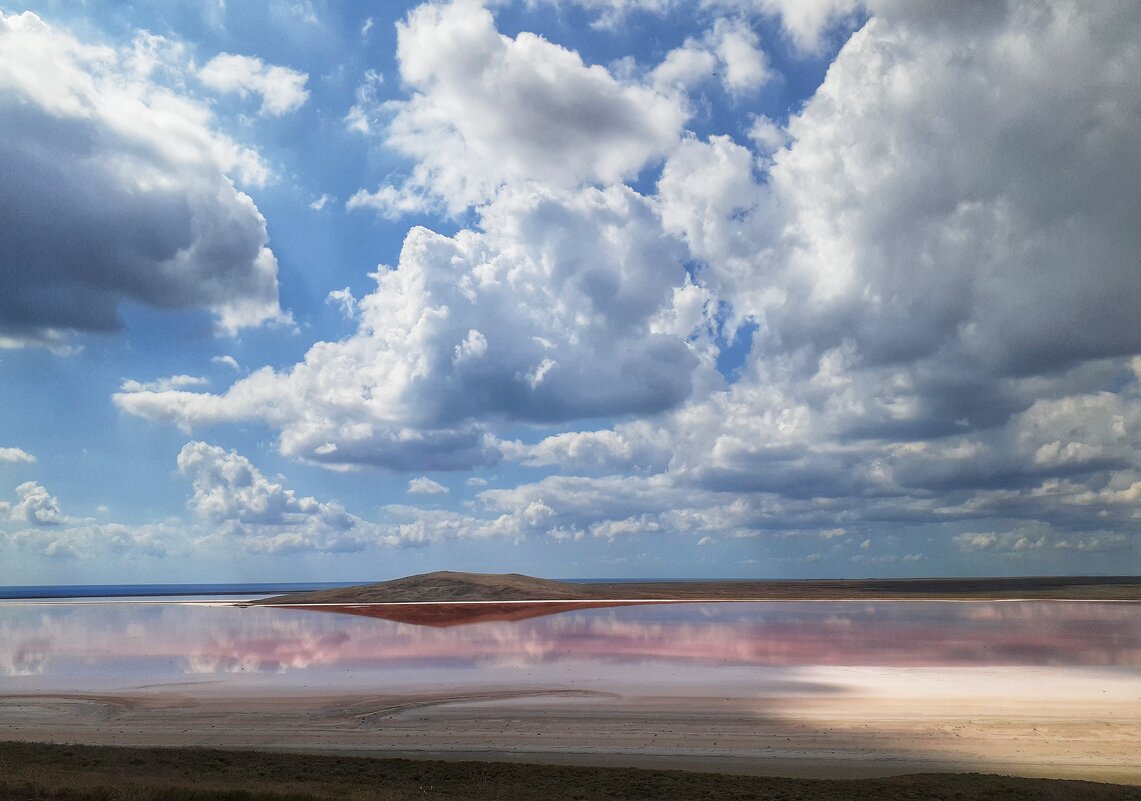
823,723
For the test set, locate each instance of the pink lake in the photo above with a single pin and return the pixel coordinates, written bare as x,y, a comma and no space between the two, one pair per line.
77,646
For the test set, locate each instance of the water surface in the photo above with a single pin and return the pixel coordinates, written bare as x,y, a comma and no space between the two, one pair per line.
97,647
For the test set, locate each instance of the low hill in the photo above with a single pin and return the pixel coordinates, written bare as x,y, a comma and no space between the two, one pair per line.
453,587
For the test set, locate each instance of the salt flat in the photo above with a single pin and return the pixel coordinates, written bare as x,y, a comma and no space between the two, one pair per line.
830,722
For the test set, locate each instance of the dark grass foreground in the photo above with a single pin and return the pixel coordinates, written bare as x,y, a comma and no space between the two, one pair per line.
37,772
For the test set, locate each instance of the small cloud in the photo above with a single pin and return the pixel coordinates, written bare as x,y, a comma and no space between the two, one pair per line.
345,300
16,456
536,376
426,486
707,541
1105,541
321,202
476,481
53,340
282,90
684,67
229,361
365,111
730,51
833,533
1028,538
300,10
744,65
367,26
389,201
35,505
631,526
866,544
165,384
563,534
976,540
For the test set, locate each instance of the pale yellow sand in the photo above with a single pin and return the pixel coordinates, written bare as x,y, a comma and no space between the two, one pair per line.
1061,723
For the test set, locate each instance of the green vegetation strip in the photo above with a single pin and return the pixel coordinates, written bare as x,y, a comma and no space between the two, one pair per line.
39,772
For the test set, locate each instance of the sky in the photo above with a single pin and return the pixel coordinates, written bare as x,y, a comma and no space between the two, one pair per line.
303,290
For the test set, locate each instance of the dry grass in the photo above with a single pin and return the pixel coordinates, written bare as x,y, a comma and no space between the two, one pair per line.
36,772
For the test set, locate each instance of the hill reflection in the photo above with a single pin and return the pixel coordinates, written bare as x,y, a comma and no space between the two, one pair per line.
160,640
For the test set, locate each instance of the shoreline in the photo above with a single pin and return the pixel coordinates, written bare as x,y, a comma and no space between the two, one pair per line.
334,605
646,601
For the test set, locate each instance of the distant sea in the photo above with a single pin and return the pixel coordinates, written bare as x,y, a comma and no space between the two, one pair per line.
141,591
137,592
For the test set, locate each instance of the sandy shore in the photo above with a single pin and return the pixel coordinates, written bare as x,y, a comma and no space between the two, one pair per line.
863,722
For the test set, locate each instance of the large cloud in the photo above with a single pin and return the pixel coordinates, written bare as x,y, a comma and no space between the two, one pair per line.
951,233
949,194
942,267
567,301
487,109
565,307
932,268
979,202
117,188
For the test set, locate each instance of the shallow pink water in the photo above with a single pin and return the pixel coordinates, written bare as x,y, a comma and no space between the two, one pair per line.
79,647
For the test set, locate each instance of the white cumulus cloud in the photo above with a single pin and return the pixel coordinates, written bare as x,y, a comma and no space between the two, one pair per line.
16,456
233,498
93,143
34,505
549,314
489,110
281,89
928,273
164,384
426,486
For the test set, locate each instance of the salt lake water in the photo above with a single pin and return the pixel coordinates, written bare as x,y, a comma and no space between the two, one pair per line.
76,646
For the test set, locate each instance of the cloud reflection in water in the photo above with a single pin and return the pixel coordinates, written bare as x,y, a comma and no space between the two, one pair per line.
160,641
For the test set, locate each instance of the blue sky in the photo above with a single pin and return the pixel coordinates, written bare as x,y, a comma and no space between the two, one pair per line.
346,291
